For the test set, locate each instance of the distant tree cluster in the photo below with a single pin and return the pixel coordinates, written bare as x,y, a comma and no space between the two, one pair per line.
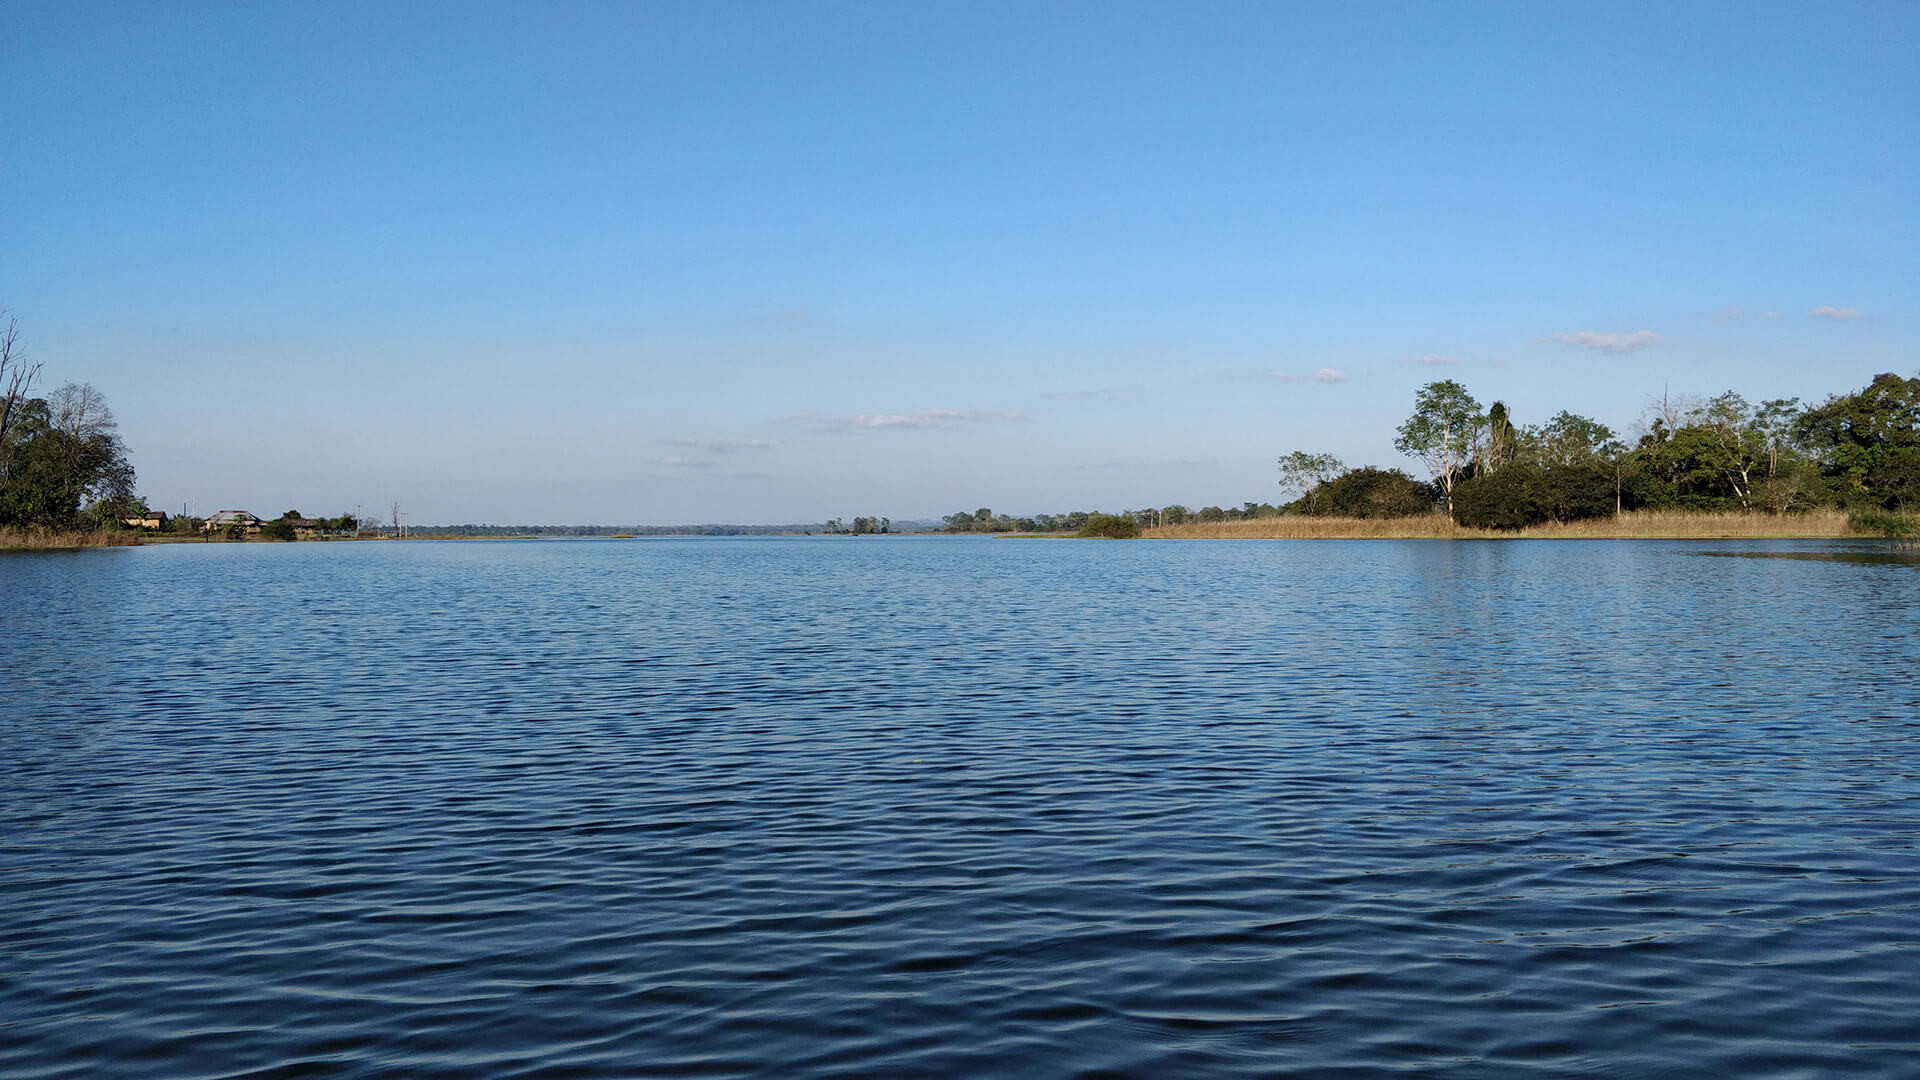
984,520
62,464
1857,451
862,526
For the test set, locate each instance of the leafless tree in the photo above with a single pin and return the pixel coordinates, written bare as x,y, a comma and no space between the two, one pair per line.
16,380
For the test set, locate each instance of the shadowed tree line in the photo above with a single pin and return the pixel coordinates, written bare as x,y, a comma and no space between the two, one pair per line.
1858,451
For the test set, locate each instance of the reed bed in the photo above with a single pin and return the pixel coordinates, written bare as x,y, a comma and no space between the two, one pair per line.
1636,525
41,539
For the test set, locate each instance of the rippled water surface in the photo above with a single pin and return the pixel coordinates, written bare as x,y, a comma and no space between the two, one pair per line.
958,807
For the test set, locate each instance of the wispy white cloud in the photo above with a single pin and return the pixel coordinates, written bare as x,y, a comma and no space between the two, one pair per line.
1609,343
1324,375
685,463
1834,313
1434,360
931,418
718,446
1769,314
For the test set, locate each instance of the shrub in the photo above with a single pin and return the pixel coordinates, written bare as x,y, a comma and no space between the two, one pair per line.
1110,527
1884,523
1509,499
1371,493
1522,495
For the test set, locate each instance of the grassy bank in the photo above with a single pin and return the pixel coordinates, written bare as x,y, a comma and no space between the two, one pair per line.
1637,525
37,539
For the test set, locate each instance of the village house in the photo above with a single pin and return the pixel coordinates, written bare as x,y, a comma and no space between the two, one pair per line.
226,519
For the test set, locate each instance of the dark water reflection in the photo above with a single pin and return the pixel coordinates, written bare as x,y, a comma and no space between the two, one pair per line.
958,807
1866,554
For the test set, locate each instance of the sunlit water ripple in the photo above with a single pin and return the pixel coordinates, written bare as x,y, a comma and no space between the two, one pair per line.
958,807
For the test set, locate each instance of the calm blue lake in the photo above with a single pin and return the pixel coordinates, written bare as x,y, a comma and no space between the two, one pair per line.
959,807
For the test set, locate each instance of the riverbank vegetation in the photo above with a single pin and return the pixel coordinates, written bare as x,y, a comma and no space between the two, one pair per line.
1713,468
42,539
1435,525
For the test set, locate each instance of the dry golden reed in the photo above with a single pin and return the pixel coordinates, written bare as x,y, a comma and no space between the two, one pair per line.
1635,525
36,538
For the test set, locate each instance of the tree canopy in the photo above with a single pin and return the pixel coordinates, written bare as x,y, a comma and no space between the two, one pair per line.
1443,431
62,462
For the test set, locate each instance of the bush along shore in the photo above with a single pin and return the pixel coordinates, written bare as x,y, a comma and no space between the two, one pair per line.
1631,525
1699,469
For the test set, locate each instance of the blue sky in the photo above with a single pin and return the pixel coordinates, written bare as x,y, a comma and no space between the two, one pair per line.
698,262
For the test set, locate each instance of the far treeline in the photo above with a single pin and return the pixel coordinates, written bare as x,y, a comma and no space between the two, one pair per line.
1857,452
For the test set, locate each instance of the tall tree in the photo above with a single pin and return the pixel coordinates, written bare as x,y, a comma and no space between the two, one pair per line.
1503,442
1774,423
1445,425
1568,439
1305,473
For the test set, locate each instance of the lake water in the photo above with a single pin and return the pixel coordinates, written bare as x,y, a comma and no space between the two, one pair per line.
959,807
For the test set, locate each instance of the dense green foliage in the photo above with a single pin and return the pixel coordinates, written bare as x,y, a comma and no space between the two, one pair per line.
62,464
1868,442
1444,431
1369,493
984,520
1110,527
1522,495
1885,523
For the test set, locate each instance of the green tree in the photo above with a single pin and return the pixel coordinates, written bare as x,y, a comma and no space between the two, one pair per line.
1868,441
1503,441
1442,431
1774,423
1304,473
1694,466
1567,439
278,529
63,455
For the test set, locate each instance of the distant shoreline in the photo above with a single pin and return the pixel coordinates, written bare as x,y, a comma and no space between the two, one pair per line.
1633,525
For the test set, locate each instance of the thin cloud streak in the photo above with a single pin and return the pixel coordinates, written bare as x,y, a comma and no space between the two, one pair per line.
1838,313
931,418
1434,360
717,446
1609,343
1324,375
